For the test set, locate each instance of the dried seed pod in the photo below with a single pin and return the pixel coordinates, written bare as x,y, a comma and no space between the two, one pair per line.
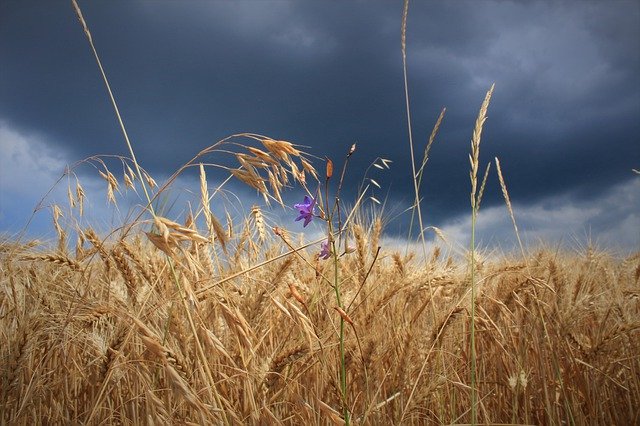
329,168
344,315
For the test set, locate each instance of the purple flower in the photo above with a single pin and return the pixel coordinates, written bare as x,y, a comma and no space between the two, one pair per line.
325,253
306,209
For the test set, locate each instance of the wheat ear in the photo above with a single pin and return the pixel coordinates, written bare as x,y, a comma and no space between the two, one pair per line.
507,201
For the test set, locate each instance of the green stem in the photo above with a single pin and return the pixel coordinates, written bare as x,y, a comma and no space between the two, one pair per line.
343,366
336,287
474,396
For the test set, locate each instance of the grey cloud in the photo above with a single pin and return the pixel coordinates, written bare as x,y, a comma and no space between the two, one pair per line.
564,117
610,220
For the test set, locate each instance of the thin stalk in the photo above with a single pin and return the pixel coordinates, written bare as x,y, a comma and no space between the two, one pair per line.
425,158
343,366
408,111
201,291
413,161
475,198
336,287
474,393
337,202
113,103
212,392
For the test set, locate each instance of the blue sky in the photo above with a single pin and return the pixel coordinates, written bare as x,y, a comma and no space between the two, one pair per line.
564,119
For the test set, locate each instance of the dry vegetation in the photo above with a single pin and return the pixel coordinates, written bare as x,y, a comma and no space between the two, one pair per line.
106,336
211,322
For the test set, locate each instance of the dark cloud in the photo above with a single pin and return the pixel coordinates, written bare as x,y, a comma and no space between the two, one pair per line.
564,117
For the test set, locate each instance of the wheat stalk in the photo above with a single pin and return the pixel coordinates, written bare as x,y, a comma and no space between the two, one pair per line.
115,107
474,159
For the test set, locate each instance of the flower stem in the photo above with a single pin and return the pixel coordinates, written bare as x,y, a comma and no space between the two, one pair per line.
336,287
343,367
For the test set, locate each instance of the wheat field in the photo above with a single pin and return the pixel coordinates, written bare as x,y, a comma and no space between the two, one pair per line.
107,335
229,319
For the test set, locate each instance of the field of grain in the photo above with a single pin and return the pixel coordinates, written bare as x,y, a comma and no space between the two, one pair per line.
121,332
223,319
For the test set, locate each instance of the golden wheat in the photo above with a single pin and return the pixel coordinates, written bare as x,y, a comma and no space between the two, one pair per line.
232,327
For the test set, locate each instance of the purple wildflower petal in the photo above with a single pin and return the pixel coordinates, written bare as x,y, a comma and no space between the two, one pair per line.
325,252
306,210
304,206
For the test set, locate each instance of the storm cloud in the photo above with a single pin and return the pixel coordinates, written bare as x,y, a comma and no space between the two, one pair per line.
564,119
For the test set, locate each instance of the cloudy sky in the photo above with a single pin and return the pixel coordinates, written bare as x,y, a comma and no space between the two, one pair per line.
564,119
